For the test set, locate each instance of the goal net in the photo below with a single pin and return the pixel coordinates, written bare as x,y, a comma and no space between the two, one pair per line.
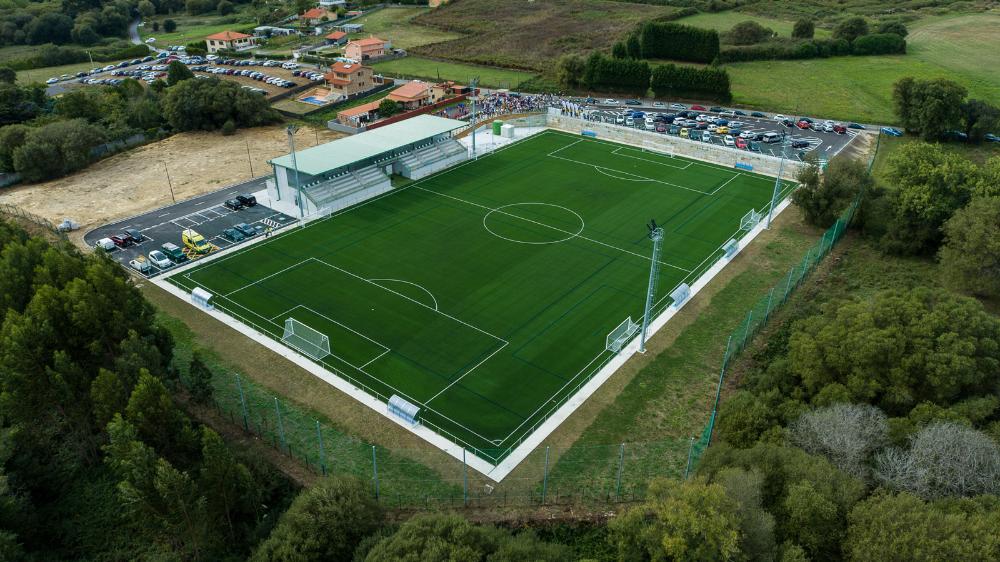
305,339
750,219
618,337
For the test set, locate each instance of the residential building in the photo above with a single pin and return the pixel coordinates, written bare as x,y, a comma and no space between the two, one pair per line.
367,48
272,31
332,3
229,41
447,89
316,16
357,115
412,94
345,79
336,38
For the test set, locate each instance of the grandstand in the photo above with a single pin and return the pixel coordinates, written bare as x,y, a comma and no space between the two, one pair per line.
333,175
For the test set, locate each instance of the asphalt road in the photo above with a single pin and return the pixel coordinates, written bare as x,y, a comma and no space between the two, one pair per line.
206,214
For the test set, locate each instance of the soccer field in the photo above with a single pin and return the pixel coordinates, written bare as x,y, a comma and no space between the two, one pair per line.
484,294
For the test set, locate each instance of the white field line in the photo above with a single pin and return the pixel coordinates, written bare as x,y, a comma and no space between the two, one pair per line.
617,152
417,285
643,178
463,375
342,325
736,175
262,279
503,212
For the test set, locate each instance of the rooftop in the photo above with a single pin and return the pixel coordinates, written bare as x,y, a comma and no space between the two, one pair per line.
228,36
369,42
360,110
336,35
341,152
411,90
346,68
315,13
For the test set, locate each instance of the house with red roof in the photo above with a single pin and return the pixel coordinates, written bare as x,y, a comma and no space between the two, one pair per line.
229,41
367,48
336,38
412,94
317,16
348,79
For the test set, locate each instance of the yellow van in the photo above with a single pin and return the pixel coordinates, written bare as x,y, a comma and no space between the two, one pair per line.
195,242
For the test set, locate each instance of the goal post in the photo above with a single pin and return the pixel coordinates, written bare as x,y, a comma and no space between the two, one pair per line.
750,219
311,342
618,337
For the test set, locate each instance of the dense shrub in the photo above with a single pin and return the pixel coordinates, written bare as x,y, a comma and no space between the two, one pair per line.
611,74
678,42
686,81
879,44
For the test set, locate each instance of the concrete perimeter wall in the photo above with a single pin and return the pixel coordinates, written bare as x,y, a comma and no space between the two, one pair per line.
713,153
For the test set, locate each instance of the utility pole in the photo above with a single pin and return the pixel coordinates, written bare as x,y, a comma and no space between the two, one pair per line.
249,160
656,235
292,129
474,83
170,185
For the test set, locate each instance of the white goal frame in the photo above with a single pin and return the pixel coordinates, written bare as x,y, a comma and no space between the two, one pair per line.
309,341
751,219
618,337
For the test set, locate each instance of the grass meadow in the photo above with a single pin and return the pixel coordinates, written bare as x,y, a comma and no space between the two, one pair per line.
396,25
419,67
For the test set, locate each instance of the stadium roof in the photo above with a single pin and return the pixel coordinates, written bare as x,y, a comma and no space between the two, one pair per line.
341,152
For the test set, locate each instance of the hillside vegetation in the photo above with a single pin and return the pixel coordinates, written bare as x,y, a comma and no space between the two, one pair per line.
531,35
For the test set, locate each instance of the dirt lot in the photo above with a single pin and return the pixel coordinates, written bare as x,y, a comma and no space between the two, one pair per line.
135,181
268,70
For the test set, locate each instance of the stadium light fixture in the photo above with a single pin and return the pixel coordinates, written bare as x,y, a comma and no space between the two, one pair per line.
292,129
656,235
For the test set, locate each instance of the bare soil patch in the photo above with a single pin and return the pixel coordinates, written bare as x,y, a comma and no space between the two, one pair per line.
136,181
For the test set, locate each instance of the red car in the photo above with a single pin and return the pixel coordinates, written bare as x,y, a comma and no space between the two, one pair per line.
840,129
122,241
741,143
803,124
698,108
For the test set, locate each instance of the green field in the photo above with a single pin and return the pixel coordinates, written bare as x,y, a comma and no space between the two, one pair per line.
417,67
485,293
43,74
393,24
960,48
724,21
192,28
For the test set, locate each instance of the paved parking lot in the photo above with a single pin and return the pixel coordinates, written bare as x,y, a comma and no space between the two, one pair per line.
823,144
205,214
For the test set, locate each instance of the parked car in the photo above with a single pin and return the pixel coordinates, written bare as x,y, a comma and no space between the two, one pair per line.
247,200
757,114
659,104
610,101
233,204
674,129
141,265
684,133
677,106
233,235
728,140
990,137
174,252
160,259
245,229
779,117
800,143
661,128
840,129
698,108
892,132
633,102
105,244
706,136
722,129
133,233
803,124
855,126
741,143
121,241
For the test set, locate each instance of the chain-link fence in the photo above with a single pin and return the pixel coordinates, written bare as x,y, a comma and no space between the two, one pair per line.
16,212
759,315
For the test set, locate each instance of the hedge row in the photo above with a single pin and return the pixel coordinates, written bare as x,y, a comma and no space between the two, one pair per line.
685,81
613,74
54,55
874,44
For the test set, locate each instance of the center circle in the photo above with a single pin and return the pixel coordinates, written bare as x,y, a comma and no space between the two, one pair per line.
533,223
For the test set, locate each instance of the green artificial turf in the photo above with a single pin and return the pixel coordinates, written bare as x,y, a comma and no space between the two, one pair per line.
484,294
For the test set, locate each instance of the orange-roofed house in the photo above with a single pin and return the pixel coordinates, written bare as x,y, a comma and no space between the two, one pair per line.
229,41
367,48
346,79
412,94
315,16
357,115
336,38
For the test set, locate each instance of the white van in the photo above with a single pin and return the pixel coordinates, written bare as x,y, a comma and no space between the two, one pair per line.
105,244
771,137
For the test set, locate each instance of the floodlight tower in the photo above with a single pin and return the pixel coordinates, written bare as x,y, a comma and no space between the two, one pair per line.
474,84
656,235
291,130
777,180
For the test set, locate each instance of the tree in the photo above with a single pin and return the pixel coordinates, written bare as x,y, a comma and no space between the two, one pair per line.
324,522
748,32
903,527
850,29
928,107
633,49
804,28
970,255
228,485
944,460
169,26
569,71
225,7
978,118
7,75
50,27
814,521
109,394
743,418
146,8
619,51
846,434
897,349
157,419
177,72
20,103
56,149
156,26
200,380
893,26
824,197
928,185
756,524
681,520
388,107
11,137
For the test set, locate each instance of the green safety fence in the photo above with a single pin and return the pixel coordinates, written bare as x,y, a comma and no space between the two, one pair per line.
759,315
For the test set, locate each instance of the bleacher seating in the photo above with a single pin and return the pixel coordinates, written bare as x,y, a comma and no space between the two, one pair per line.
326,192
428,158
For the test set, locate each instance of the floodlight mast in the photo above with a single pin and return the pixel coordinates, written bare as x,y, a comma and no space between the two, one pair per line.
474,84
291,130
656,235
777,181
